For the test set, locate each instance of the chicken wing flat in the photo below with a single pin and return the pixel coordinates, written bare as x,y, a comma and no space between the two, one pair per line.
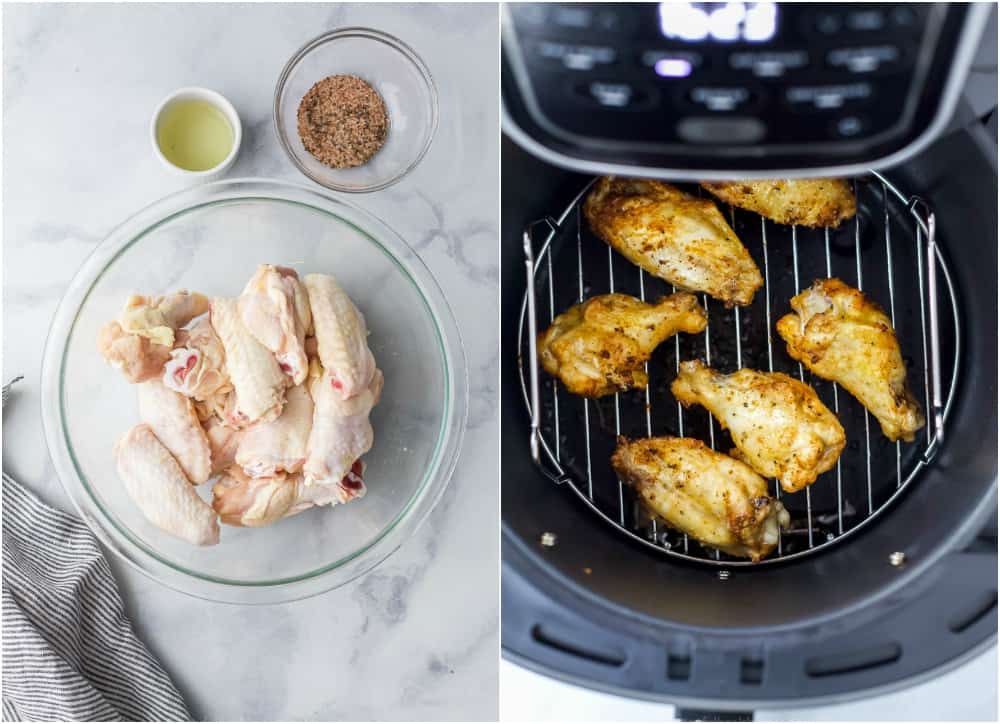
710,496
157,485
674,236
341,433
780,427
275,309
254,502
223,441
598,347
841,335
806,202
258,382
341,336
172,418
280,445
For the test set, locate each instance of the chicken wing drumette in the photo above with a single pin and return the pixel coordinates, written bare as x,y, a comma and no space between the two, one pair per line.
841,335
710,496
807,202
779,426
674,236
599,346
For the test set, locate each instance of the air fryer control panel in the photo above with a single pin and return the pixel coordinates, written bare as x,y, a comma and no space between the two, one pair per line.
727,84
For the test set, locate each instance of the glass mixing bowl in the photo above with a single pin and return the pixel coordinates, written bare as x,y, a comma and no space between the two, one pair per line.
211,239
399,76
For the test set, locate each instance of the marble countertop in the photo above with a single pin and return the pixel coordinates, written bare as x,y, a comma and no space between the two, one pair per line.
416,638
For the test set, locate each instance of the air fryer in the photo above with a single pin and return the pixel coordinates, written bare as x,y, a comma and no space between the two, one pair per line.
888,572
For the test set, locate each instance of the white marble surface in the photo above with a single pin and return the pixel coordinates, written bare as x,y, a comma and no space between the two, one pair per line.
417,638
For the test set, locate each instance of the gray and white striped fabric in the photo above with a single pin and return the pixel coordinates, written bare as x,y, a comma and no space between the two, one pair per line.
69,652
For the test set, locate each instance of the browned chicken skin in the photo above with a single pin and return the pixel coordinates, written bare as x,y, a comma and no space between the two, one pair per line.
598,347
841,335
674,236
710,496
780,427
807,202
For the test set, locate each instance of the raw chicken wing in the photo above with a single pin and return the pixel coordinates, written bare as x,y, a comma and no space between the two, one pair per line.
710,496
808,202
674,236
279,445
172,418
137,357
197,366
253,502
274,307
223,441
841,335
341,433
157,485
159,317
599,347
258,382
780,427
341,336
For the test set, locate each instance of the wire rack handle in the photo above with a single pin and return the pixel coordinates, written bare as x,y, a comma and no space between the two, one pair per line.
556,474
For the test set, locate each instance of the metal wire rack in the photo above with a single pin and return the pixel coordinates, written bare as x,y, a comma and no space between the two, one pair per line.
888,250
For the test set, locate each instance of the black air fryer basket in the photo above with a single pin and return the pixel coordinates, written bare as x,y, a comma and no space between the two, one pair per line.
886,575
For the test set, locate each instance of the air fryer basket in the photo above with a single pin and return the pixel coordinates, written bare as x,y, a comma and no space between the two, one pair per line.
585,601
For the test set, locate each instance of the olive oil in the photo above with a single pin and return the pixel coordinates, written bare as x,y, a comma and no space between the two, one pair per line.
194,135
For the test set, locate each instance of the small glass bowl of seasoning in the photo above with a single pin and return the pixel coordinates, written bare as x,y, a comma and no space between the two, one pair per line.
196,132
355,109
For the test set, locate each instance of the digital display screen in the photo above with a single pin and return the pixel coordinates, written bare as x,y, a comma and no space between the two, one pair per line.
719,21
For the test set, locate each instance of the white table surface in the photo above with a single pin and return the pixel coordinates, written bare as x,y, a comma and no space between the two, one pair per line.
418,638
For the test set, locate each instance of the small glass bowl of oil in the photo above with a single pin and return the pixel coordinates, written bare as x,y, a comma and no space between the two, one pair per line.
196,132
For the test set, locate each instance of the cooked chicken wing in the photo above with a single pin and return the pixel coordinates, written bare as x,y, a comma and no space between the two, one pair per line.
223,441
710,496
279,445
341,433
674,236
807,202
253,502
599,346
137,357
841,335
159,317
341,336
157,485
258,382
172,418
275,309
780,427
197,366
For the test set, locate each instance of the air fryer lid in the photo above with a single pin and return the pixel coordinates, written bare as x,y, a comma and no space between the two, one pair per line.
595,575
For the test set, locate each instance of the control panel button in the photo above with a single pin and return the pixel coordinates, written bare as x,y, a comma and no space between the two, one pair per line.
612,94
720,99
671,63
824,97
769,63
577,57
863,60
572,17
849,126
700,129
828,23
865,20
530,13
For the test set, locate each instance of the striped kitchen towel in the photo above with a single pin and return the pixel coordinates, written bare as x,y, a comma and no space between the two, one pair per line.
69,652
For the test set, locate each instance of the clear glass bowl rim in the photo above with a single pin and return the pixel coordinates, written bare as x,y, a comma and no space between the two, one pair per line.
330,576
371,34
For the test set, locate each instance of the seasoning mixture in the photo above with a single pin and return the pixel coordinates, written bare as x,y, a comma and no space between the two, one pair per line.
342,121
